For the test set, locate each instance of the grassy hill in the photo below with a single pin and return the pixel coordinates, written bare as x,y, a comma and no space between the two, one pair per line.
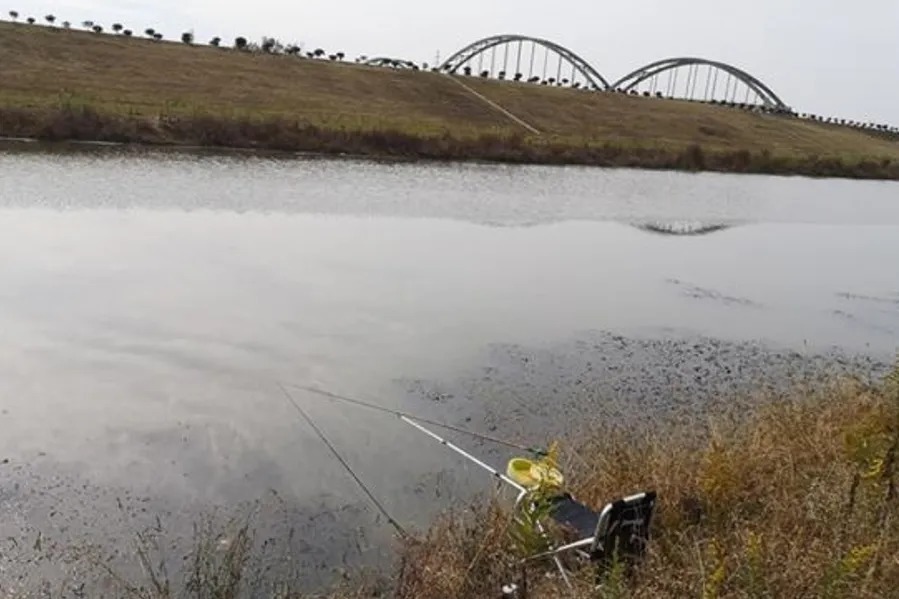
62,84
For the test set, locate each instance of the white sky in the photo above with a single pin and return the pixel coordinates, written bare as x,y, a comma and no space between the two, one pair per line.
828,57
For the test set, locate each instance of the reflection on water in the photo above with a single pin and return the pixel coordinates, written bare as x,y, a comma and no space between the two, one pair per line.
150,303
683,229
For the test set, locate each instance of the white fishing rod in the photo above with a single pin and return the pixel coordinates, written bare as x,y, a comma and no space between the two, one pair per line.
522,491
496,473
408,420
536,451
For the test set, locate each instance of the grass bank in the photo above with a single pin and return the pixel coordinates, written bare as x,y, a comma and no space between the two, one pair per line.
74,85
84,123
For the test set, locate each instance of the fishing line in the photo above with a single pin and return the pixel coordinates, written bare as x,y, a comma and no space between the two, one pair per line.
534,450
399,528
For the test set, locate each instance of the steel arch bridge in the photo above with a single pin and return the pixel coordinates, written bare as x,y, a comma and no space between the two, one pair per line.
537,60
708,88
523,50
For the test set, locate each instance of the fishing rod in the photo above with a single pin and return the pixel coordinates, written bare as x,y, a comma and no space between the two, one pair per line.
321,435
537,451
464,454
415,422
411,420
522,491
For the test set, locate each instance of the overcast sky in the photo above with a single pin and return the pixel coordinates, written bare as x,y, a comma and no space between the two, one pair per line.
824,56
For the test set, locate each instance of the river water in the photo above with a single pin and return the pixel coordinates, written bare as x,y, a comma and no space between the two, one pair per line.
150,303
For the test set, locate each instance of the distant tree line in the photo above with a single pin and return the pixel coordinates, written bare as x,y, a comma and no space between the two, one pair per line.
267,45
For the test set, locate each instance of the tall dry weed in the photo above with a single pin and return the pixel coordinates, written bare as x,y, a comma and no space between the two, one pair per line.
795,498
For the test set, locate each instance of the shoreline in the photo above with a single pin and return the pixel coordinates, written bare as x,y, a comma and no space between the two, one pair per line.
86,126
332,552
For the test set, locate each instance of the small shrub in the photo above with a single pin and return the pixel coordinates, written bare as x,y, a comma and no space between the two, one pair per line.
268,45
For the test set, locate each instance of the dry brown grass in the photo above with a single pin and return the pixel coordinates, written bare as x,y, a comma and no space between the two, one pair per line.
46,70
796,498
68,123
665,123
134,76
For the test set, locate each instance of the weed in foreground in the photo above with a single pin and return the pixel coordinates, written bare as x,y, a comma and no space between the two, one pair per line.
796,498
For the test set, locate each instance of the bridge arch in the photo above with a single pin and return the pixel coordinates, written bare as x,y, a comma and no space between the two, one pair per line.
651,72
517,43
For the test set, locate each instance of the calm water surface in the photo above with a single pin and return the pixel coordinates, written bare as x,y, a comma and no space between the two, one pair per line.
150,303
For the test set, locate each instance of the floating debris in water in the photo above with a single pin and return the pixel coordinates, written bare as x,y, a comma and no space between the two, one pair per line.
697,292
